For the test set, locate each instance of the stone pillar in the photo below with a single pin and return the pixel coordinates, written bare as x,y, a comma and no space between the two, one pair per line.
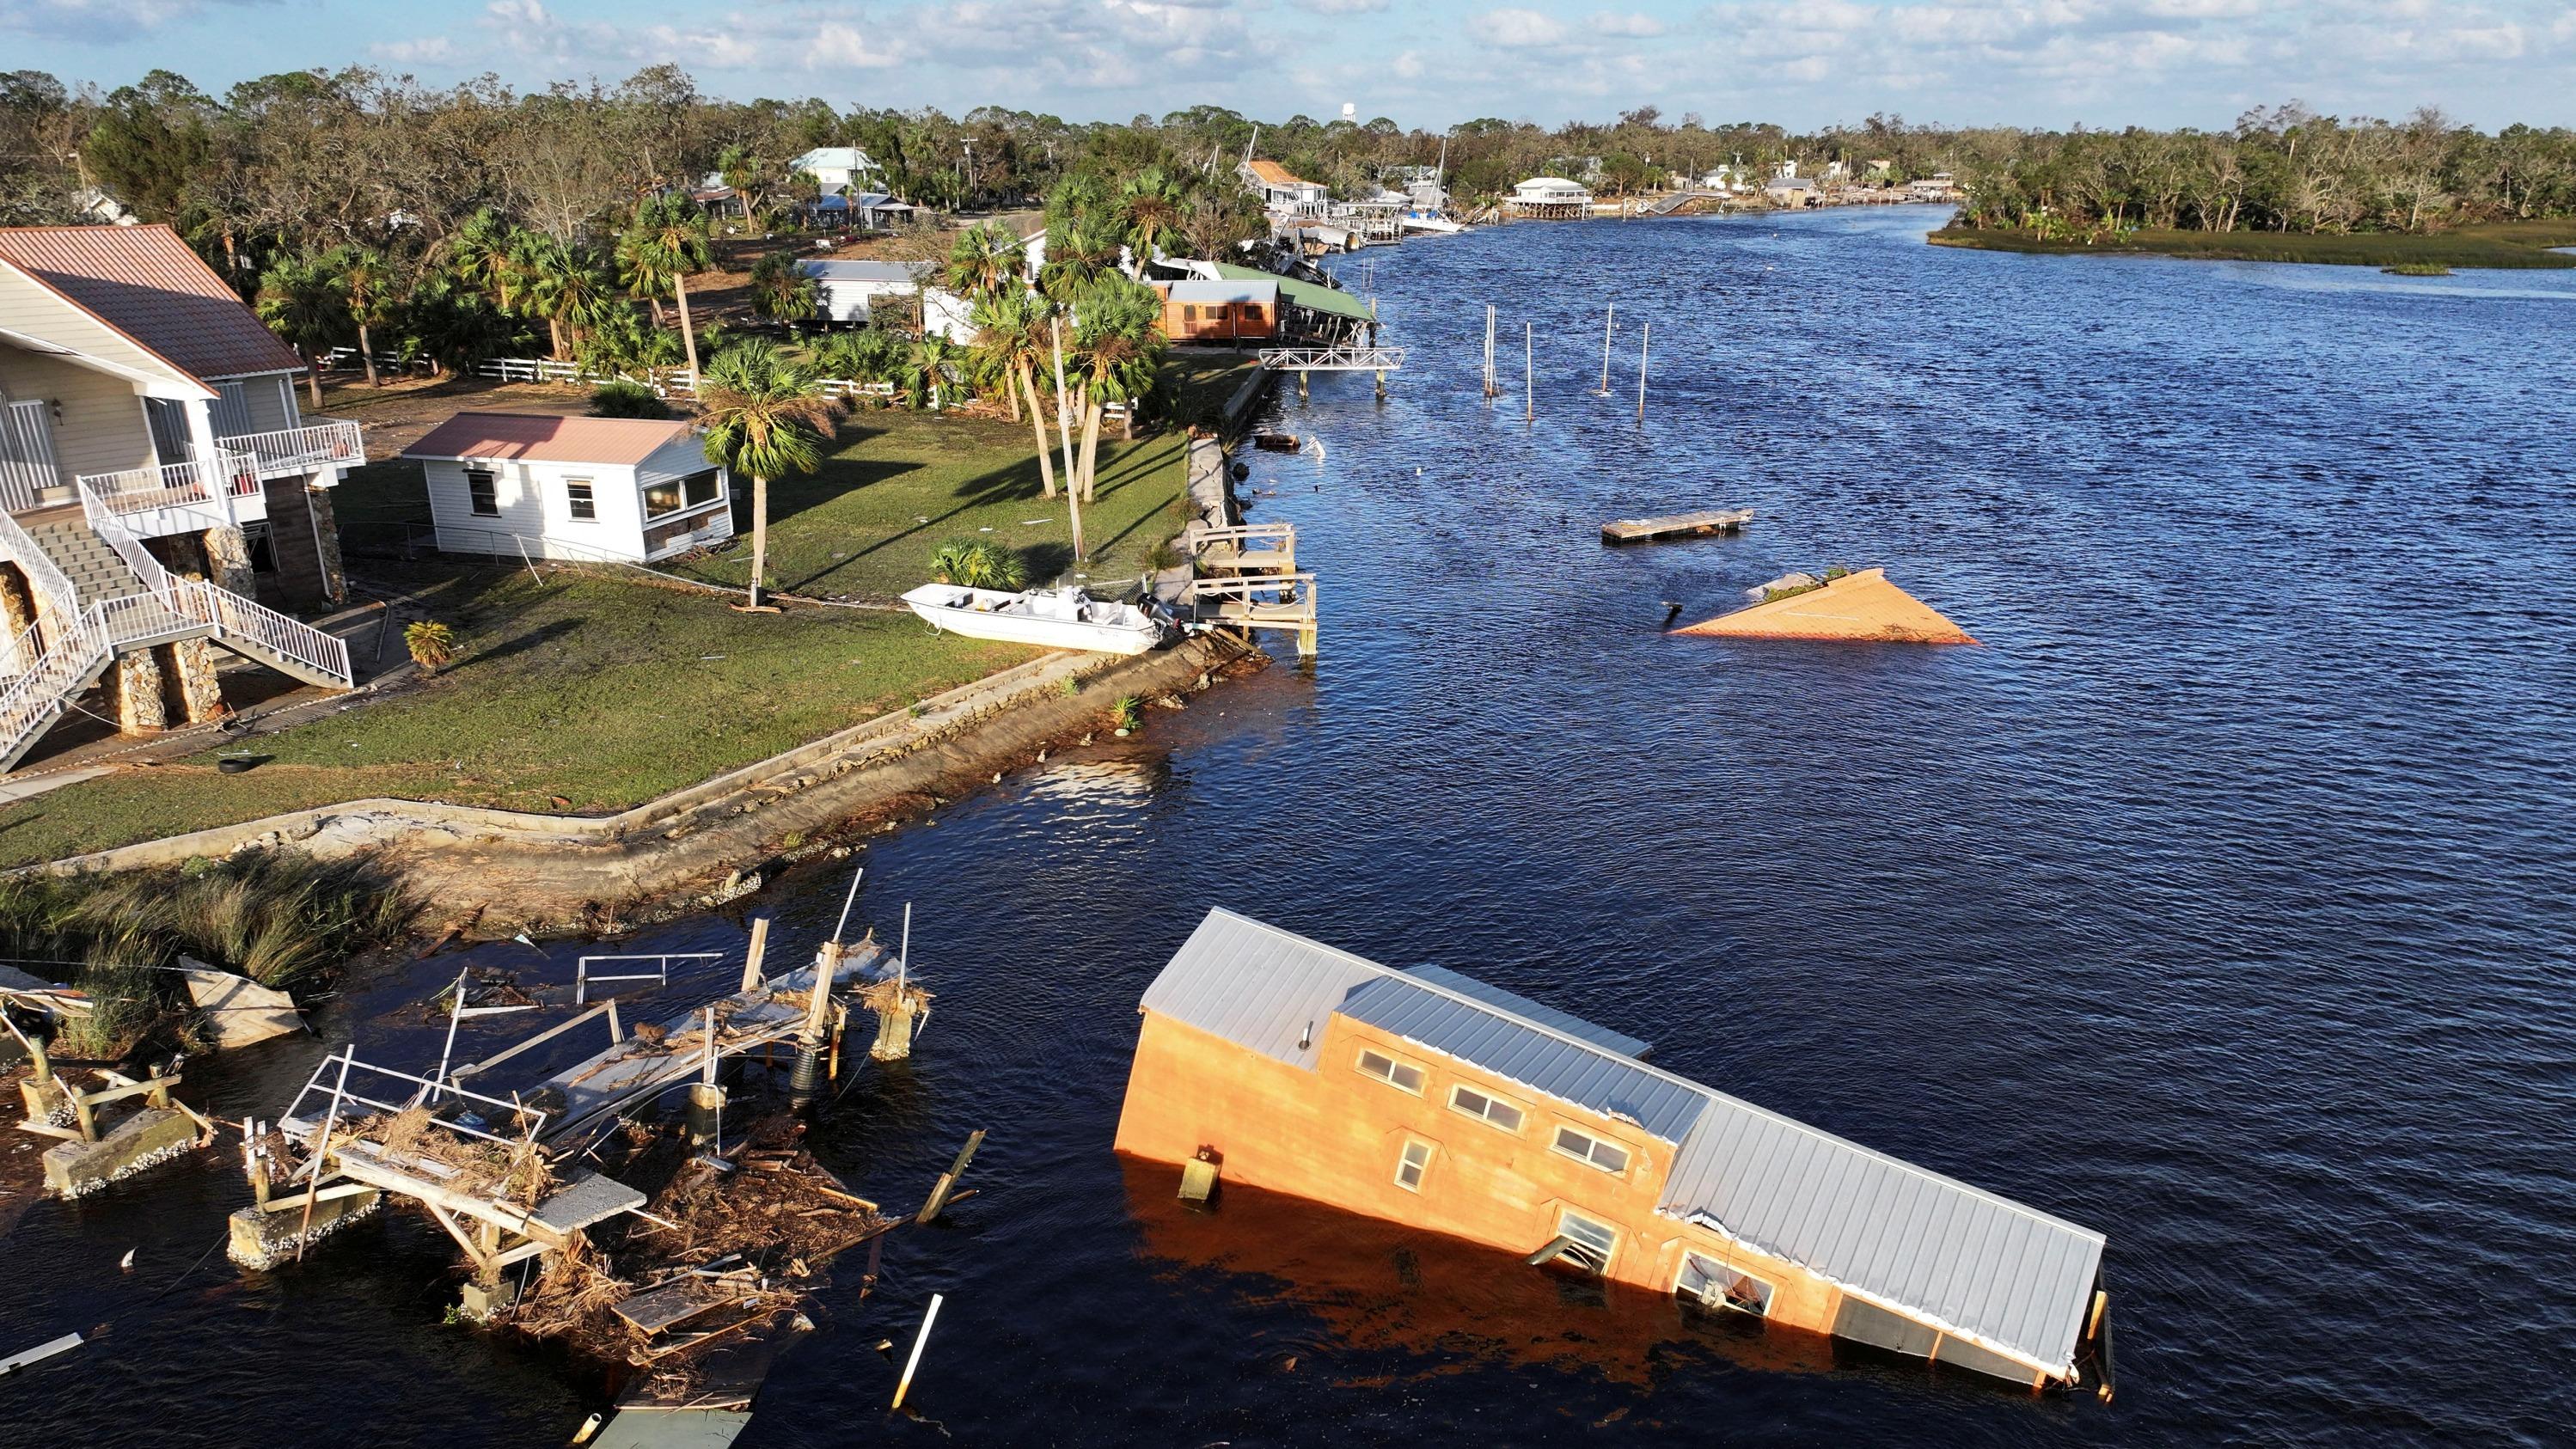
228,560
17,613
326,542
191,663
133,689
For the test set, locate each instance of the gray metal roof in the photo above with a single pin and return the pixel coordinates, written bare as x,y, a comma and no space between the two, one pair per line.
1257,986
1545,1015
1611,1084
895,273
2002,1275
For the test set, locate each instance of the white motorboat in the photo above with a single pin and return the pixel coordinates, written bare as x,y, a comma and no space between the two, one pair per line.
1438,225
1056,618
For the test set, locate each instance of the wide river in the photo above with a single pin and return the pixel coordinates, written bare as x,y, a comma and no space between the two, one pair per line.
2219,900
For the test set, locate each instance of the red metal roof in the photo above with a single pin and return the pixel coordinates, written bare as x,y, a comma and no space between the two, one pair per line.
148,284
540,438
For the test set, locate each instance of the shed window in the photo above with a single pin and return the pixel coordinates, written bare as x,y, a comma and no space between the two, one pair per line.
1189,312
1713,1284
482,493
1608,1156
1410,1167
578,500
1477,1104
1586,1242
1392,1072
678,493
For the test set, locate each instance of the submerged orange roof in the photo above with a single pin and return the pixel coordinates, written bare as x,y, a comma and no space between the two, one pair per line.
1861,606
543,438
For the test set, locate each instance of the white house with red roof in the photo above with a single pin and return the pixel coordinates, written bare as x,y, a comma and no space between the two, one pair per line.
630,489
160,491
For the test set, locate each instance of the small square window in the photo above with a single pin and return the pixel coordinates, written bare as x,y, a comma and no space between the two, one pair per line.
1392,1072
1410,1167
483,494
579,502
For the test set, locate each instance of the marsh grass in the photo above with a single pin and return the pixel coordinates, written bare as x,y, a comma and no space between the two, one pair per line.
281,918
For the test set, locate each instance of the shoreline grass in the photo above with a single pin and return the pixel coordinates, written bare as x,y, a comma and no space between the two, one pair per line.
2501,245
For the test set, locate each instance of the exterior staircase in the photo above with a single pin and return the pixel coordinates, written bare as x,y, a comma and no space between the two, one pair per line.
104,594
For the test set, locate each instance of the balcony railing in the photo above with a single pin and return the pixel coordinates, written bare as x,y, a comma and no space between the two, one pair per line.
323,443
198,485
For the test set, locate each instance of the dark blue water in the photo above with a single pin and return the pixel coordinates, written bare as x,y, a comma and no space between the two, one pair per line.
2220,900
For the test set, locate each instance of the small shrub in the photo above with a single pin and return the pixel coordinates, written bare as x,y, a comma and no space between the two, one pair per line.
977,563
1836,571
1164,555
1072,686
432,645
1128,714
623,399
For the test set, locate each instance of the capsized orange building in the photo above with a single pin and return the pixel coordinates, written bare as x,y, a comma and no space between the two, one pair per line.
1429,1098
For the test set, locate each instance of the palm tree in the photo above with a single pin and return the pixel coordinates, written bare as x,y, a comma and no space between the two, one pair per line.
1010,331
667,242
367,280
986,259
748,175
1116,348
485,252
1151,204
765,415
564,286
1080,252
780,289
301,301
925,369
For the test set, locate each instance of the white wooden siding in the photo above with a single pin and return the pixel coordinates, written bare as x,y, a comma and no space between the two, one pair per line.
535,503
101,427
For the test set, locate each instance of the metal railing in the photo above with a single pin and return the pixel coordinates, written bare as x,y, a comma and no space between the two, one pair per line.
1333,359
197,485
235,619
43,574
26,453
660,974
329,442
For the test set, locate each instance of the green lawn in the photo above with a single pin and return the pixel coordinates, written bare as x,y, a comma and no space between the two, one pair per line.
607,690
2516,244
602,691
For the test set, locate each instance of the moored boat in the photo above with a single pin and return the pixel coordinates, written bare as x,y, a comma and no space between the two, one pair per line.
1056,618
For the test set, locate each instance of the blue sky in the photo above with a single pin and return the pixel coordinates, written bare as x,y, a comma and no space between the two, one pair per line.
2025,62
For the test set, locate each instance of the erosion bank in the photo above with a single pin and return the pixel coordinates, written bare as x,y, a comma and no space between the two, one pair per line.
518,870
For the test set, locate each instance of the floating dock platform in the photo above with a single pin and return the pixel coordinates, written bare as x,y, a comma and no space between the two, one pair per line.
1676,525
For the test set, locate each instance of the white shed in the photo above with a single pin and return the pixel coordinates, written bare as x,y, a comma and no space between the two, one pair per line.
636,489
844,290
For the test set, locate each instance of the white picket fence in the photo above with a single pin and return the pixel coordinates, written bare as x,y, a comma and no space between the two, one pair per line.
666,382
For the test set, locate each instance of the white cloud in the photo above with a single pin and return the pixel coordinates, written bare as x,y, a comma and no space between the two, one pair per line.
94,22
427,50
1408,65
1516,29
1632,25
1342,7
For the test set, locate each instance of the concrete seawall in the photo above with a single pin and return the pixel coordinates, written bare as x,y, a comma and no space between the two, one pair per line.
531,871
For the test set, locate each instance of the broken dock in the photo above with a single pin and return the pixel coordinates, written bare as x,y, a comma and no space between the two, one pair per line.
1676,525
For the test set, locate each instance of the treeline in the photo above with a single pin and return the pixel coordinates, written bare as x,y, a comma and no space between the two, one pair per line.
2286,169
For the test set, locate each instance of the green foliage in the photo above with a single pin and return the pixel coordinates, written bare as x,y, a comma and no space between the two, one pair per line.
766,415
432,644
868,354
623,399
977,563
302,301
1128,714
780,289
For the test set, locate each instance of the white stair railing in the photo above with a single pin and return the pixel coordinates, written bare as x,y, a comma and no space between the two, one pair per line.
236,619
196,484
44,576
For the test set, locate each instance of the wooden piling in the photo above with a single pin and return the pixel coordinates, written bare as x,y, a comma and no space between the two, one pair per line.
1608,319
914,1362
751,977
1644,337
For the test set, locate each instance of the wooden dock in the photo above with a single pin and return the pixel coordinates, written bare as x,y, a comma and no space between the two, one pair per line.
1676,525
1260,601
1249,548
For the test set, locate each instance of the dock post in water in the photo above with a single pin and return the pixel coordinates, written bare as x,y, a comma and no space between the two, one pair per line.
751,977
895,1009
1529,397
1608,320
1644,337
809,1042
